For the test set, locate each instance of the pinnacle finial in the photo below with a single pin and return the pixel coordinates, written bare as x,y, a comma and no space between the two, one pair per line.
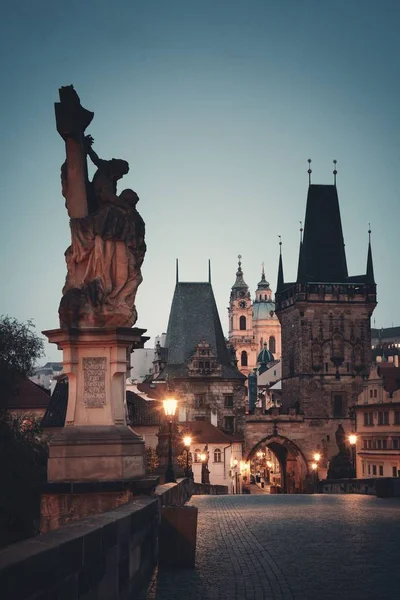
334,172
309,171
301,232
369,232
280,244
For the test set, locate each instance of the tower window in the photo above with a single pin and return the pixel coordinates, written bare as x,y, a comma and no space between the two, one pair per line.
242,323
338,406
272,344
243,358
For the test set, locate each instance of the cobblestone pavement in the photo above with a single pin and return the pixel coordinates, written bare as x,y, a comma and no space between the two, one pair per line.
278,547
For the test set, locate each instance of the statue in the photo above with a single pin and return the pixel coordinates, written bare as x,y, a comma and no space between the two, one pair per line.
107,233
340,466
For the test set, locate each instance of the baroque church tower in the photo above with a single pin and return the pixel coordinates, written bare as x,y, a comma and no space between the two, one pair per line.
253,326
325,318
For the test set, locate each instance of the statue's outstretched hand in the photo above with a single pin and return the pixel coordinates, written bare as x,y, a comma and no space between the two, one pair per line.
89,141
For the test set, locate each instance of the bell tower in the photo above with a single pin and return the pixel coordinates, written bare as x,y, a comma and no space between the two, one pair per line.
325,319
240,313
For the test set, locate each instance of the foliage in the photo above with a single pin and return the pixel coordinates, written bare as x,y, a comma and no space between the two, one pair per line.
152,460
20,348
23,461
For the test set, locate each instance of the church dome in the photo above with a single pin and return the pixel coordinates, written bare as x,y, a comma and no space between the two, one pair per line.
263,310
265,356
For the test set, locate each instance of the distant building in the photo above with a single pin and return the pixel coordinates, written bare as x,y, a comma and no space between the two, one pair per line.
44,376
252,325
145,361
27,398
378,423
199,368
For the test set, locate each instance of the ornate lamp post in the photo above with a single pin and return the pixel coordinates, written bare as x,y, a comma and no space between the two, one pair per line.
205,473
170,405
187,440
353,442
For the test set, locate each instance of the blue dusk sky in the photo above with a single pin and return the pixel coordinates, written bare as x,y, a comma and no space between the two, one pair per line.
216,105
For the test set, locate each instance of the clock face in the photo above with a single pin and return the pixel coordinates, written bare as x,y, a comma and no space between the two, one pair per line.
242,304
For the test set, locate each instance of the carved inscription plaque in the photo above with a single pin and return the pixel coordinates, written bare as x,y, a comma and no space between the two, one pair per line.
94,381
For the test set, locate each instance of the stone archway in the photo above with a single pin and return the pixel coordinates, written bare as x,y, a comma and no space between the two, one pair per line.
293,465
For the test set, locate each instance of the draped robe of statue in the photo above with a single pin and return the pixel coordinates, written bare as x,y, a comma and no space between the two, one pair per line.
107,239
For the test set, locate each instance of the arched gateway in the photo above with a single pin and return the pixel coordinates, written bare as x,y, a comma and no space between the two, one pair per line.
293,465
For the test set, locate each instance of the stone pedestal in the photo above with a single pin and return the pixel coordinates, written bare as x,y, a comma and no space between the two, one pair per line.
96,444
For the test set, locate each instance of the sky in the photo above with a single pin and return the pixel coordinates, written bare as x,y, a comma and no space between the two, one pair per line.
216,105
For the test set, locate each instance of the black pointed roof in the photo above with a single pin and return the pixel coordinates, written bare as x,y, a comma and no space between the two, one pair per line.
369,278
280,282
323,256
194,318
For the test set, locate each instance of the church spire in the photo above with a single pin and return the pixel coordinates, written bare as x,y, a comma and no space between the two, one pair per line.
279,284
370,266
300,273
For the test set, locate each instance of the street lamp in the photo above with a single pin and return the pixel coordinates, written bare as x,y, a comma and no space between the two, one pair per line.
317,457
170,405
187,440
353,442
205,473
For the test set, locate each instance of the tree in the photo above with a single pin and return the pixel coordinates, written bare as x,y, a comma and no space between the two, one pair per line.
20,348
23,453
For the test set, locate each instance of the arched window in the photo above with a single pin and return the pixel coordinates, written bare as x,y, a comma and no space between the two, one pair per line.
242,323
243,358
217,455
272,344
197,453
261,343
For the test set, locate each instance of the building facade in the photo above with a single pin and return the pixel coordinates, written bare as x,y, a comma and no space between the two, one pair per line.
326,347
199,367
378,423
252,324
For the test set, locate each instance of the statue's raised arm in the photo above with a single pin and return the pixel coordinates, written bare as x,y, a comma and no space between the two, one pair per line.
107,245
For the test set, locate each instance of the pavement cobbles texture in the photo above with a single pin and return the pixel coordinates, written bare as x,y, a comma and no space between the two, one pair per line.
282,547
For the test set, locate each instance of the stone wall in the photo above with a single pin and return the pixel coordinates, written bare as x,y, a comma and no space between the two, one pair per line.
109,556
382,487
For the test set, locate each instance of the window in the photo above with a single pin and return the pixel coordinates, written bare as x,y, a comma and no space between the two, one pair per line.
369,469
243,358
384,444
381,470
242,323
199,401
383,417
395,444
272,344
338,406
371,393
369,443
373,469
197,455
379,444
229,423
217,455
326,367
196,418
375,393
364,444
363,468
394,471
368,418
397,417
228,401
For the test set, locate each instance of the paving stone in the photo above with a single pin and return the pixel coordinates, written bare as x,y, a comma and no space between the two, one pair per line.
306,547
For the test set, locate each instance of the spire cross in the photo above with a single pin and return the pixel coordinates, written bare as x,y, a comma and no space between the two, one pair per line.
334,172
280,244
309,171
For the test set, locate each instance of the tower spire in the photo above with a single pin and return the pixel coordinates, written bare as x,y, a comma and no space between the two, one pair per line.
209,270
370,266
309,171
300,274
177,271
279,284
334,172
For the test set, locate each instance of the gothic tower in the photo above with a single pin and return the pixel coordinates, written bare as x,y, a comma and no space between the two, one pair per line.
325,319
240,313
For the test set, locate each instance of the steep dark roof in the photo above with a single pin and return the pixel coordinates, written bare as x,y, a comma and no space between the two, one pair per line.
194,318
57,408
27,395
323,256
203,432
143,412
386,332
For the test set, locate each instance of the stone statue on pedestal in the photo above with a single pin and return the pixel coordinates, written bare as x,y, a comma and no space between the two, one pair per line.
107,233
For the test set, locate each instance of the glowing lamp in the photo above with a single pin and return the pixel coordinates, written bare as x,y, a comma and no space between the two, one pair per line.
170,405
